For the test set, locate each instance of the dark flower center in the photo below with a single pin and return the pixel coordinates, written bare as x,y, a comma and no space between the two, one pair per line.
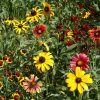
41,59
97,34
5,58
1,63
32,84
39,31
78,80
24,51
33,12
79,63
46,9
10,18
16,97
20,26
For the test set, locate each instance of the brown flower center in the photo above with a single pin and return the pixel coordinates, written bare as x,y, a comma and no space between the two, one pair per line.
79,63
39,31
16,97
96,34
41,59
1,63
32,84
20,26
46,9
24,51
33,12
78,80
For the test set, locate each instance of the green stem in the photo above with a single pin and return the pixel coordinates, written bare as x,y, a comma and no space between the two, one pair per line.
80,96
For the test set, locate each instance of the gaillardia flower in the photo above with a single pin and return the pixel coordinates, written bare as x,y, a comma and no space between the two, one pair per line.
78,81
95,34
20,26
43,61
10,21
34,15
39,30
2,97
47,11
1,85
32,85
80,60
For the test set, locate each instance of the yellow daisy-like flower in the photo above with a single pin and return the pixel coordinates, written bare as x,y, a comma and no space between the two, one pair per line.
43,61
1,85
34,15
10,21
44,44
16,96
47,9
23,52
87,14
78,81
70,34
21,26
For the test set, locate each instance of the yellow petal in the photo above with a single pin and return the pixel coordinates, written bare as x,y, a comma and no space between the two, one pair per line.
46,66
77,71
71,76
73,87
80,89
86,79
43,68
84,85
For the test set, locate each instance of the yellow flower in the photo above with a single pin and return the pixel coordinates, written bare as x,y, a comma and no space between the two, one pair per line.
34,15
23,52
43,61
47,9
16,96
70,34
2,98
10,21
78,81
1,85
20,26
44,44
87,14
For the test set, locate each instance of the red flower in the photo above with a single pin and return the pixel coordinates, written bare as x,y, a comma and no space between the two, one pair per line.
80,60
85,27
73,18
69,43
38,30
95,34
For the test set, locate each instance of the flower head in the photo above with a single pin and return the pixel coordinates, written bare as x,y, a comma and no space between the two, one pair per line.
1,85
78,81
86,15
20,26
43,61
10,21
39,30
32,85
2,98
47,9
16,96
34,15
80,60
95,34
23,52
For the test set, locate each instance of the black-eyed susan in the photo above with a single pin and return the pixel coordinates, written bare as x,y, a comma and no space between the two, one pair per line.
23,52
1,85
47,10
10,21
16,96
21,26
86,14
1,63
10,60
43,61
5,58
39,30
34,15
78,81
